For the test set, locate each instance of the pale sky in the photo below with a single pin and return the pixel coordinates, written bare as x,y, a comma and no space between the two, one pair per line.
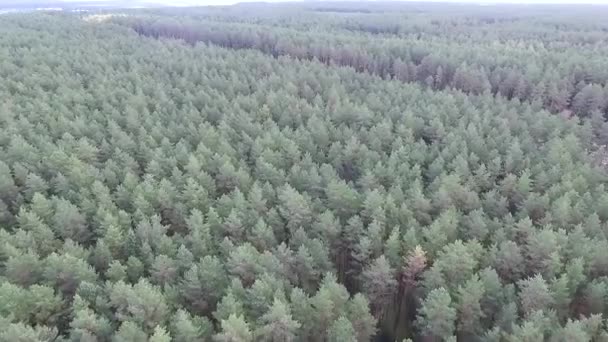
604,2
206,2
228,2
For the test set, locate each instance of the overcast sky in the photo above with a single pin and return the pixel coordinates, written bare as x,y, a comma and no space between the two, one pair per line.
214,2
229,2
205,2
604,2
528,1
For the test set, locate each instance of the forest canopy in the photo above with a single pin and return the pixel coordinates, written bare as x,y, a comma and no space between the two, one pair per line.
305,172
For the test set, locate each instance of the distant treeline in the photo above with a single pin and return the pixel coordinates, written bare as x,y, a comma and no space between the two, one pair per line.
342,10
558,82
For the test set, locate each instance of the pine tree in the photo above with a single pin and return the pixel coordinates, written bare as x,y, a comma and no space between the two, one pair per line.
185,328
341,331
362,320
436,317
278,325
534,294
234,329
468,305
379,284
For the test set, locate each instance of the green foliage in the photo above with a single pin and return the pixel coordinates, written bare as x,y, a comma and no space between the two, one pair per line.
437,315
341,330
278,325
186,328
141,303
534,295
234,329
327,172
379,284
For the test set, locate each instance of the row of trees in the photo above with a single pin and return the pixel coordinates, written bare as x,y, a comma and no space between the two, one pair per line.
557,27
152,190
568,81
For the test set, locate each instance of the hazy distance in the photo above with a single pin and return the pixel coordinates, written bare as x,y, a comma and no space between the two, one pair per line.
4,3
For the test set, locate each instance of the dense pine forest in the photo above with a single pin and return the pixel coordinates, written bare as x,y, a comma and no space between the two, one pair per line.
331,172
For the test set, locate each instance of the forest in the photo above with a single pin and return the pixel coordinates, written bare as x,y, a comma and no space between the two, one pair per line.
314,171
